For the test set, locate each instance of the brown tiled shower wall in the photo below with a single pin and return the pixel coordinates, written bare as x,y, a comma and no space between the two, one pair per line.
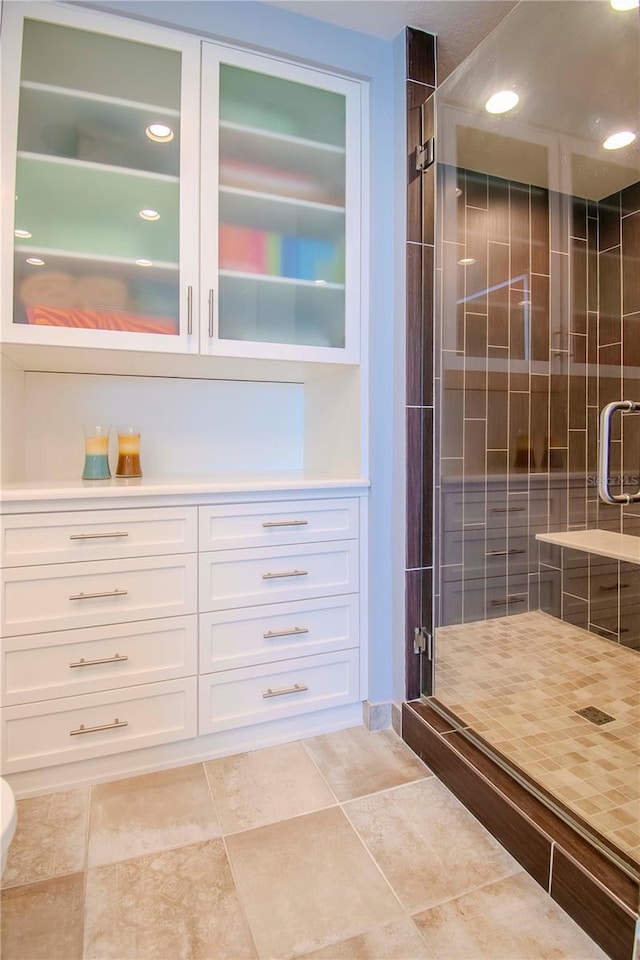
535,328
420,87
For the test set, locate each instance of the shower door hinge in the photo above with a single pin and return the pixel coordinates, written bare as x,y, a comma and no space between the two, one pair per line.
425,155
423,642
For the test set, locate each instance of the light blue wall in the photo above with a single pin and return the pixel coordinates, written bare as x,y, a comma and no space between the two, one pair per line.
274,30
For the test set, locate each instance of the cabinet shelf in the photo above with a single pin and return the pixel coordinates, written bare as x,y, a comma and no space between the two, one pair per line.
284,215
79,125
289,281
66,204
280,151
65,258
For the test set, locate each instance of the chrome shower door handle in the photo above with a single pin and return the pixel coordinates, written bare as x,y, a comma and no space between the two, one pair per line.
604,452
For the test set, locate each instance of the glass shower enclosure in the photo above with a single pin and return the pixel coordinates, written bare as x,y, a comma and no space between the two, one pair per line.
537,580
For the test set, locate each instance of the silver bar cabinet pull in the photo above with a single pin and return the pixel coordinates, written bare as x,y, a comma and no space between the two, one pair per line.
210,313
189,310
285,523
92,663
293,632
296,688
98,596
502,603
98,536
503,553
604,452
103,726
286,573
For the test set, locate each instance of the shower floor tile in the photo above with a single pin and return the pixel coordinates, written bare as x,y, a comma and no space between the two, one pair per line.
375,870
519,682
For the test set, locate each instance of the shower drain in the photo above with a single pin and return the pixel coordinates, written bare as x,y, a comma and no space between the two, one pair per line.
595,716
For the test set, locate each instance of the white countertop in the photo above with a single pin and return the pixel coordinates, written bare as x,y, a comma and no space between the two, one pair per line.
603,543
171,486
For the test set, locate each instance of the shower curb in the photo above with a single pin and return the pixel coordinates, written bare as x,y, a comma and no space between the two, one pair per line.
601,897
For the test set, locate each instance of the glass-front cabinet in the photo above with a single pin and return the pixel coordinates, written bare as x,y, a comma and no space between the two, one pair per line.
283,221
177,196
102,192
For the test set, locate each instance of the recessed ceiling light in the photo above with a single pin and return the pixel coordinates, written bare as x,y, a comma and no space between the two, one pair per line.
624,4
320,283
21,234
466,261
35,261
159,132
144,263
618,140
502,101
149,214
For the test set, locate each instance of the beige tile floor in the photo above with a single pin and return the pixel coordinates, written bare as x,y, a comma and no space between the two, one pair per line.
518,682
343,846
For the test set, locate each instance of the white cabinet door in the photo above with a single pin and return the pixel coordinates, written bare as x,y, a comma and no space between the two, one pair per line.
105,175
77,728
244,578
34,538
228,526
238,698
68,595
281,248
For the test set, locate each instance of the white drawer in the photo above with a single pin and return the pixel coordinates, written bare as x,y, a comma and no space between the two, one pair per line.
44,734
238,698
242,578
45,666
279,631
265,524
39,599
97,535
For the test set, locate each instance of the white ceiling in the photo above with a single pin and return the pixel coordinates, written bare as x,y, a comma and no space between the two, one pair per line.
575,64
459,24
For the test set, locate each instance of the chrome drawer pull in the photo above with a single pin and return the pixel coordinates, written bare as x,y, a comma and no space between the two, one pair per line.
287,573
103,726
508,509
98,536
189,310
501,603
270,634
503,553
92,663
285,523
97,596
296,688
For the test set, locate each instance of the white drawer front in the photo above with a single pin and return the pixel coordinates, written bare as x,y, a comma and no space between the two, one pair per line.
239,578
97,535
238,698
41,734
39,599
240,638
266,524
45,666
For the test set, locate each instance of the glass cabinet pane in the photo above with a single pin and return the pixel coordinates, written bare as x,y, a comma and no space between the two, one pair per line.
282,211
97,191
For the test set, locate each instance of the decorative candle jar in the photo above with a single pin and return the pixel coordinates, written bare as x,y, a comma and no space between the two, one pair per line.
128,452
96,452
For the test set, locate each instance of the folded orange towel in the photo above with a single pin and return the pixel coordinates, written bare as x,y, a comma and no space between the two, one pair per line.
101,320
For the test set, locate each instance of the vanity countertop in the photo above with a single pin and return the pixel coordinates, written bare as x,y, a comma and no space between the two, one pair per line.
63,493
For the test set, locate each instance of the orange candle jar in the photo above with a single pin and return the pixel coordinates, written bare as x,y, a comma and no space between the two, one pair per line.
128,452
